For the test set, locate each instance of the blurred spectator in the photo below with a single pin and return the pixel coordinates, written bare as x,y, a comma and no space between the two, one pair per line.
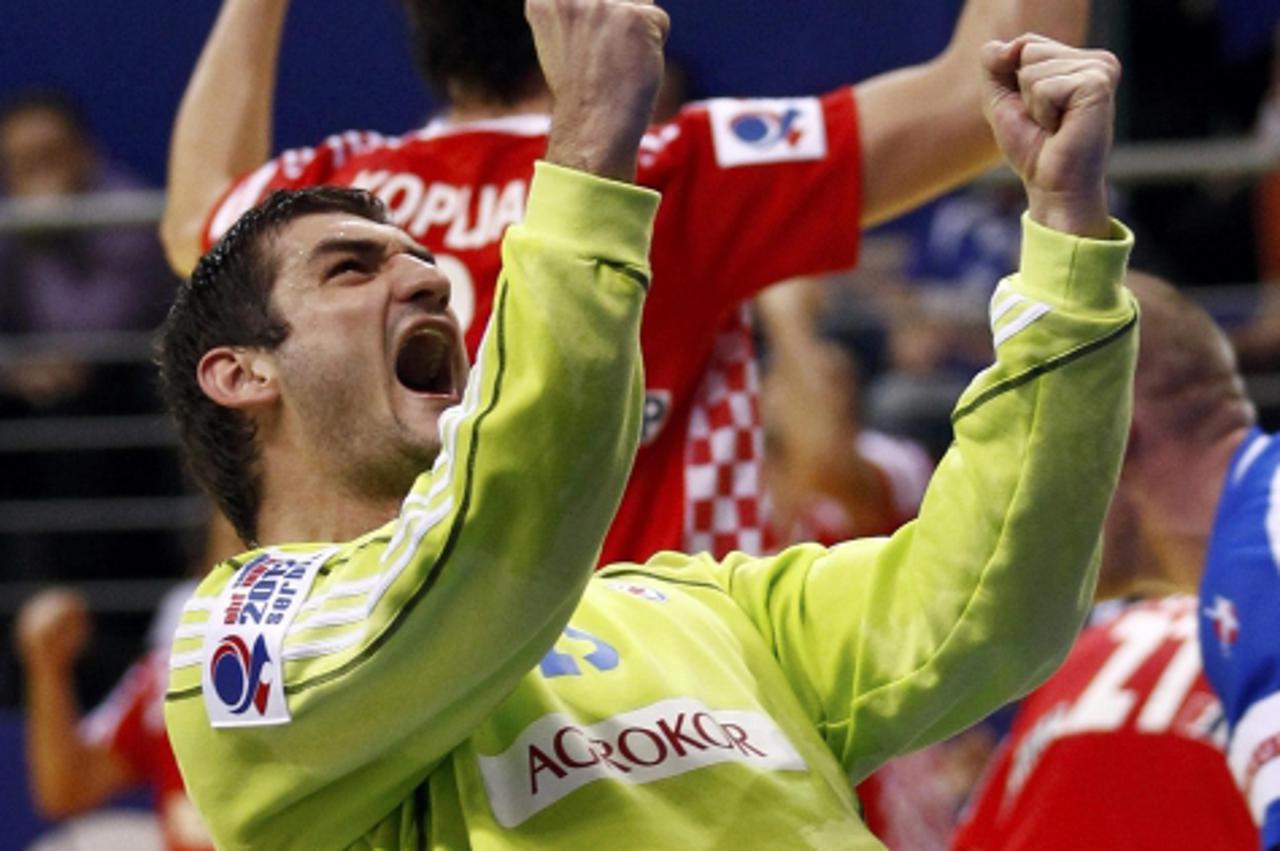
70,284
954,253
828,478
76,765
914,314
1123,746
67,282
968,241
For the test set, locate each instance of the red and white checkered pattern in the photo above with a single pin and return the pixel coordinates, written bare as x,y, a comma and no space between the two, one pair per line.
723,499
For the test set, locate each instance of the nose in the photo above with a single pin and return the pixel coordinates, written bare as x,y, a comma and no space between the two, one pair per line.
416,280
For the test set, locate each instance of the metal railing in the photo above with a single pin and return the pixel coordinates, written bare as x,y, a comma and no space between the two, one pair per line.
85,212
1148,163
76,434
64,434
97,347
1133,163
112,514
107,596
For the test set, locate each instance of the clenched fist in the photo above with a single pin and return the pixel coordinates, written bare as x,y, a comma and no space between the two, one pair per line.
1052,110
52,630
602,60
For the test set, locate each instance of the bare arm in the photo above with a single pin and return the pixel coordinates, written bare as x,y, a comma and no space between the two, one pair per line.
811,414
223,127
922,127
67,774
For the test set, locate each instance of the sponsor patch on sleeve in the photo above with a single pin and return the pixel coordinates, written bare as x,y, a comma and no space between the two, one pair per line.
243,670
756,132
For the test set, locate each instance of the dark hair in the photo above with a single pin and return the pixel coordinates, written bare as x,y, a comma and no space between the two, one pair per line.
46,99
227,302
484,45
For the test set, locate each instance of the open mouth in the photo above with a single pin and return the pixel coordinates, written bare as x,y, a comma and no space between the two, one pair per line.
424,363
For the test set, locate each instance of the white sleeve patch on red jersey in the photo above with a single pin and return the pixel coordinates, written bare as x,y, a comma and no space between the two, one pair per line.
755,132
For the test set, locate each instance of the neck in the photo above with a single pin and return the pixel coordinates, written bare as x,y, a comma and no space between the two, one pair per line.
302,504
1177,519
1174,566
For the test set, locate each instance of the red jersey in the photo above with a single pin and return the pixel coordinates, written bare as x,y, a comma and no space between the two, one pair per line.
1122,748
130,722
754,191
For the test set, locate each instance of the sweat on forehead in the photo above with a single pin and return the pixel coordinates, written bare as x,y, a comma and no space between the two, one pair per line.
246,240
282,209
359,237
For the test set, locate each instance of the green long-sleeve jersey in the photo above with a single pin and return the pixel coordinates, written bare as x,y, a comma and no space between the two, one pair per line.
493,703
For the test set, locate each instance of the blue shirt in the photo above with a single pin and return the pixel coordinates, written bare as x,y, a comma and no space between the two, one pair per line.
1239,628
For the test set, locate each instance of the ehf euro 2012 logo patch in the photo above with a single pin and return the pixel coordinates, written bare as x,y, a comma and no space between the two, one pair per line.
243,676
776,130
237,674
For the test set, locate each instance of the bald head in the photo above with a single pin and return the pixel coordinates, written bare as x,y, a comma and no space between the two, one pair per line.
1187,386
1189,413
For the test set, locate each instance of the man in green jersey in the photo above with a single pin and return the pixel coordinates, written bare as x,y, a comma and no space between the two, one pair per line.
445,672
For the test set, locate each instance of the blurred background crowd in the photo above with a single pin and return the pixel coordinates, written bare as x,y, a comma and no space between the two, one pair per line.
861,369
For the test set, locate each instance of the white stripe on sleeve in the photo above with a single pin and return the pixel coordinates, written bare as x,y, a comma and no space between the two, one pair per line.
1254,754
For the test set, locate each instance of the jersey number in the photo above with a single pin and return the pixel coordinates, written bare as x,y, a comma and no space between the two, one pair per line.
1106,703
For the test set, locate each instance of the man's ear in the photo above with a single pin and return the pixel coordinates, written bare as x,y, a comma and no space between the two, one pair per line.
239,378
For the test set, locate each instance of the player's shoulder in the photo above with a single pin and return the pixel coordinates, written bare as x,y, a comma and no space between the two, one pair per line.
1244,528
265,587
1254,466
390,166
330,155
347,148
348,152
533,125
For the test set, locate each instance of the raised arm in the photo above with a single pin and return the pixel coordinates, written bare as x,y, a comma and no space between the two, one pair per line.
223,127
893,643
68,774
921,128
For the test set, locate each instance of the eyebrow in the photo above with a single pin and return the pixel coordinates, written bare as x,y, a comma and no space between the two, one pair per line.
366,247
